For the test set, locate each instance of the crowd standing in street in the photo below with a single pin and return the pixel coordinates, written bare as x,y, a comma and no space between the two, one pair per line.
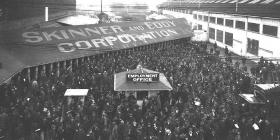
203,105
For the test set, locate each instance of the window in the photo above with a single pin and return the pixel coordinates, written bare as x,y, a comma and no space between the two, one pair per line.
240,25
253,46
195,27
199,27
195,16
229,23
220,21
200,17
270,30
220,36
212,20
212,33
253,27
206,18
228,38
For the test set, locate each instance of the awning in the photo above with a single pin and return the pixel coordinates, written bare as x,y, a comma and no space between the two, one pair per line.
121,83
26,48
251,98
268,88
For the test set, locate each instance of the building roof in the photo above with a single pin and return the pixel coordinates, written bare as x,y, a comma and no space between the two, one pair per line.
32,47
260,8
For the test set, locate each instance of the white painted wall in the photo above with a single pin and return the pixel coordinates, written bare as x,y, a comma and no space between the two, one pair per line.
269,46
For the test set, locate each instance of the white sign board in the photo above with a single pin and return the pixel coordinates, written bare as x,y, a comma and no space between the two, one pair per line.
76,92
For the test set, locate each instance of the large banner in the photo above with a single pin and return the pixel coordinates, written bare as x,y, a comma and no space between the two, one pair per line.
104,37
32,47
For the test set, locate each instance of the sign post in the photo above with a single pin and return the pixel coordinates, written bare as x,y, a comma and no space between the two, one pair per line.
46,13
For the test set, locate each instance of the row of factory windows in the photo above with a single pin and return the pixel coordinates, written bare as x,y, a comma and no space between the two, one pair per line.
254,27
227,38
218,35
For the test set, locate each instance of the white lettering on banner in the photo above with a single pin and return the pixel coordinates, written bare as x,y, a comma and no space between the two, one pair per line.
79,32
149,25
32,37
117,29
172,31
90,30
136,28
171,22
159,24
104,30
64,34
144,36
110,40
166,24
158,34
66,47
131,37
152,33
124,38
80,46
35,37
69,39
164,33
53,34
96,42
161,33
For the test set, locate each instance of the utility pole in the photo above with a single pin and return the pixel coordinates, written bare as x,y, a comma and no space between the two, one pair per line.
180,3
46,11
236,6
168,2
101,6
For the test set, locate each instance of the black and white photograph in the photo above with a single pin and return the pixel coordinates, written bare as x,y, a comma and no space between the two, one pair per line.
139,70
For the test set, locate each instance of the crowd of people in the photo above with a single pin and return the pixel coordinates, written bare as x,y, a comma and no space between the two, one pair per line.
265,71
203,105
